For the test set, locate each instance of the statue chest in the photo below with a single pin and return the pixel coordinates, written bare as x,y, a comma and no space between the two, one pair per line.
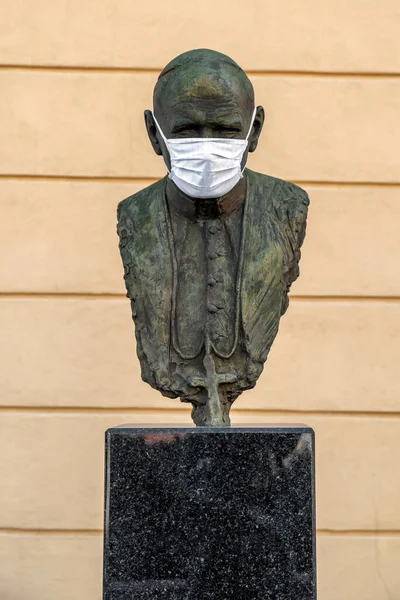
209,269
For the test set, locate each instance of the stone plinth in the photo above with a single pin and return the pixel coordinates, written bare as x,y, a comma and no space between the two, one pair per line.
209,513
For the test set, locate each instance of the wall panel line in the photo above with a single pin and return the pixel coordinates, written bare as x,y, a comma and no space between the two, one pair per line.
155,71
107,296
181,409
147,181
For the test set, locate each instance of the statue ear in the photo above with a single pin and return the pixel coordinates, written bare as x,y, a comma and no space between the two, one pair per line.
152,132
256,129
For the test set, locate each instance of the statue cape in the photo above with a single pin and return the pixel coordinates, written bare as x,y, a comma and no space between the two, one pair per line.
275,214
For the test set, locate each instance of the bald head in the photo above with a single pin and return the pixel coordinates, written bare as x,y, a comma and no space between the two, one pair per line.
202,74
203,93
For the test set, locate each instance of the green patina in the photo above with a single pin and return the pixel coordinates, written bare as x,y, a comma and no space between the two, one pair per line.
208,280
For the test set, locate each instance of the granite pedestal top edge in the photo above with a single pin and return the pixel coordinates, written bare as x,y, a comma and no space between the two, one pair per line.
133,428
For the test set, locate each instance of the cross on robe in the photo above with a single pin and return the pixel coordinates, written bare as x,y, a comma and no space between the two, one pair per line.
211,382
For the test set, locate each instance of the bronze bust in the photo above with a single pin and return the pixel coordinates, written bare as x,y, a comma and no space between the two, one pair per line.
209,251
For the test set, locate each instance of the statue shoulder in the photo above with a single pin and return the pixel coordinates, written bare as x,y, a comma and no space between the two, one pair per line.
135,211
291,198
287,199
139,202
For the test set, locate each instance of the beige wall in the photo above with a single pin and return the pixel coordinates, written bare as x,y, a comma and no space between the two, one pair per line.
75,77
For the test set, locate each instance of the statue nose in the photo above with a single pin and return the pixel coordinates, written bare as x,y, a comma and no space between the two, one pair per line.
208,132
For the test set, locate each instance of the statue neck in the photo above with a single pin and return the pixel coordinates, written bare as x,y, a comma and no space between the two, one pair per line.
200,209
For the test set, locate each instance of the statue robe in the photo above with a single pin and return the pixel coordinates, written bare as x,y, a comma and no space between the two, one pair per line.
274,220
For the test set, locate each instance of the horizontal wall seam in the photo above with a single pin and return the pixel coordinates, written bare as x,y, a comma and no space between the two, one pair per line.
99,532
50,532
157,70
62,295
249,412
149,180
113,296
344,298
79,178
359,532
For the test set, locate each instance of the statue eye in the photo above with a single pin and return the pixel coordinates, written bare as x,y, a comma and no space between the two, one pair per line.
184,128
228,128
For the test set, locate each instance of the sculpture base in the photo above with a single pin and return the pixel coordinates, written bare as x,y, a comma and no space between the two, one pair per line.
209,513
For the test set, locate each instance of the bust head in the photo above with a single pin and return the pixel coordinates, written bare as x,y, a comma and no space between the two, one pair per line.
203,94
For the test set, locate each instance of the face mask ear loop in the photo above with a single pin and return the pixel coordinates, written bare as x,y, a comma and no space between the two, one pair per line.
163,137
251,124
248,135
159,128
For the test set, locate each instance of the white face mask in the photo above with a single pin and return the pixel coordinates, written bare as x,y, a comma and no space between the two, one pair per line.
206,167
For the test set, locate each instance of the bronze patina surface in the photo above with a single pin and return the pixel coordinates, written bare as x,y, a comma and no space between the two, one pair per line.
208,279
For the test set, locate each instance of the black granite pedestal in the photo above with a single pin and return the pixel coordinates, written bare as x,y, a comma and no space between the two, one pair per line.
209,513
